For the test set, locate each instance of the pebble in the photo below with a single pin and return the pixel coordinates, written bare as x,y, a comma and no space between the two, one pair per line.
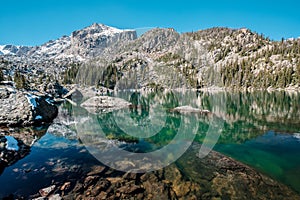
65,186
55,197
46,191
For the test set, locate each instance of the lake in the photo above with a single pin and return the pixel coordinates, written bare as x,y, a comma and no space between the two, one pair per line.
260,129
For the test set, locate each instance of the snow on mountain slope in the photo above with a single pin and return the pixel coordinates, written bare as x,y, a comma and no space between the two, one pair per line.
92,40
1,49
52,49
55,46
55,56
83,43
13,49
8,49
99,30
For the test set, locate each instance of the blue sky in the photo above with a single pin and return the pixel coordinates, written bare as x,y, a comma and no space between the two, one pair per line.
33,22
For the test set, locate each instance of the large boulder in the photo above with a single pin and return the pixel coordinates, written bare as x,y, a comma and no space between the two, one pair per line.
15,109
74,95
43,109
100,104
25,109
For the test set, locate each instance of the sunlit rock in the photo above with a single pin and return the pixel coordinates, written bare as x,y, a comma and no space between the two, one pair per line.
100,104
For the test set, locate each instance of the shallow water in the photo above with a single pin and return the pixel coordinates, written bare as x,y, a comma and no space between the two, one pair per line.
260,129
274,154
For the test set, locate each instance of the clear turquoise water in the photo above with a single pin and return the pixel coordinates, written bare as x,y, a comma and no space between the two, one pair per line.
274,154
259,129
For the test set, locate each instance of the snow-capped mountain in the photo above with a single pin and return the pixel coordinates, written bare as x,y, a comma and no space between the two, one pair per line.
53,49
92,40
54,57
81,44
13,50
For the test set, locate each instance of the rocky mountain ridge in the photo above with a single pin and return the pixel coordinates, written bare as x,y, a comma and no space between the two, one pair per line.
53,58
161,58
217,57
77,45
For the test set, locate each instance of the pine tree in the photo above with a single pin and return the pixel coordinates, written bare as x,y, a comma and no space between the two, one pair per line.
20,81
9,78
1,75
71,74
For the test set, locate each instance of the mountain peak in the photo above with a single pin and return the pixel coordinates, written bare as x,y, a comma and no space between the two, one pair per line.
93,39
97,30
98,26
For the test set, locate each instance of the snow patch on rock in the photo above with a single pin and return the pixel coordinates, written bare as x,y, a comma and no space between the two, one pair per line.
11,143
32,100
38,117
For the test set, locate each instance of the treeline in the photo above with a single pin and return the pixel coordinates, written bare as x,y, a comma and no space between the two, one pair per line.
235,58
98,75
243,74
276,66
70,74
248,59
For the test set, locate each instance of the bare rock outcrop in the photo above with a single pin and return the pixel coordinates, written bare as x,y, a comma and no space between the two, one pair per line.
24,109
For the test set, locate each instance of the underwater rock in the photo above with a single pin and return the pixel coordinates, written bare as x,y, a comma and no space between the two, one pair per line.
213,177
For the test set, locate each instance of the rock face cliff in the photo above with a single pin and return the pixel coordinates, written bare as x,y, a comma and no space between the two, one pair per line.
91,41
222,57
160,58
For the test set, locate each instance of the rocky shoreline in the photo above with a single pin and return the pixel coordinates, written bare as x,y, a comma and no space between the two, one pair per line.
23,108
216,177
